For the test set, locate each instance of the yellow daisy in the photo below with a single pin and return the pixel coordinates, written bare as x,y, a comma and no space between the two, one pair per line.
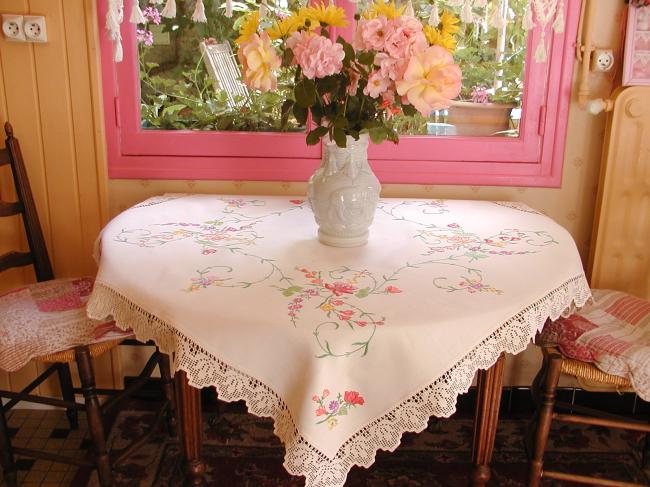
330,15
438,38
284,27
449,23
248,27
388,10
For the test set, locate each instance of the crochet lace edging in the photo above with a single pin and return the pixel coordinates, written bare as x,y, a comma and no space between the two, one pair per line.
412,415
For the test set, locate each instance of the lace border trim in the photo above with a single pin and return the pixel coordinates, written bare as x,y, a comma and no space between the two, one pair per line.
412,415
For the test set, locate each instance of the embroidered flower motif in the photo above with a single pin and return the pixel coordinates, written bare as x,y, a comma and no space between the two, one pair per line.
340,406
340,288
392,290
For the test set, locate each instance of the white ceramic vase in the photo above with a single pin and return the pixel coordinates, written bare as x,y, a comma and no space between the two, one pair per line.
343,193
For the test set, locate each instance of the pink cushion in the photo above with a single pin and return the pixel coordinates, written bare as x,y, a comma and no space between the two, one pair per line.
613,333
49,317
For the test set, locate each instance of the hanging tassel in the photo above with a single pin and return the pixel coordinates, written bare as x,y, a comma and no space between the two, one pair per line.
199,12
528,23
497,20
434,17
156,2
558,24
114,19
409,10
455,3
229,8
480,3
169,12
540,51
466,15
137,17
264,10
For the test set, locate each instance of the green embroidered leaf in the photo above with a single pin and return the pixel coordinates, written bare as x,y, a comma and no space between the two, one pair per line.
363,293
343,412
290,291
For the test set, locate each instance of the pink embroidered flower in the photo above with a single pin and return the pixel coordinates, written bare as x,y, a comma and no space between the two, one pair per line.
392,290
339,288
377,84
354,398
260,61
315,398
326,392
361,323
321,411
374,32
316,55
431,80
297,202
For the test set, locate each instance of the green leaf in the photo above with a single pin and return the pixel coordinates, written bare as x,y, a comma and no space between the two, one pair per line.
367,58
305,93
173,109
409,110
339,137
300,113
377,135
285,111
363,293
340,122
315,135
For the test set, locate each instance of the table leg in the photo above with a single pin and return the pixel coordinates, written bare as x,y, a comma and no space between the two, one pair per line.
486,419
188,407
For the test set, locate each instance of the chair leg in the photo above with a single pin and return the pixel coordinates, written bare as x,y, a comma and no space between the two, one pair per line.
168,390
65,379
544,417
93,412
645,461
6,454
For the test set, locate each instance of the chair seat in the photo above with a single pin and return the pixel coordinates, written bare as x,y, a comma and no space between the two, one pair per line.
613,334
46,320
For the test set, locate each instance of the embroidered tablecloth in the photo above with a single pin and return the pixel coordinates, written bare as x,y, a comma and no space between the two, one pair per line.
346,349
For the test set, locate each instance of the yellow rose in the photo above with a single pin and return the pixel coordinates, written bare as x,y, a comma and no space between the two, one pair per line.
259,61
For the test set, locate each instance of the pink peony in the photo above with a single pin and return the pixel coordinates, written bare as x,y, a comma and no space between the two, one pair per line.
431,80
374,32
390,67
259,60
316,55
377,84
406,37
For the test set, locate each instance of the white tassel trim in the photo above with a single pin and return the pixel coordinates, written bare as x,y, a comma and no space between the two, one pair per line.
496,19
528,23
480,3
466,14
229,8
409,10
264,10
156,2
137,17
169,12
114,19
199,12
558,24
434,17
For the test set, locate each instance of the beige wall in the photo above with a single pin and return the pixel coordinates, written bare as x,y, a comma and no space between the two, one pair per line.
50,93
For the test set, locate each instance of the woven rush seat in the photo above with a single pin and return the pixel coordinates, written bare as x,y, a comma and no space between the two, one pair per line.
606,342
46,320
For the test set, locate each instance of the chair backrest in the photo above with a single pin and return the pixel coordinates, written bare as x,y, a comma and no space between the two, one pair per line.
37,255
220,62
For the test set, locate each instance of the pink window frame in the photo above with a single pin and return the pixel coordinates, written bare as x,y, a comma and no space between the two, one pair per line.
535,158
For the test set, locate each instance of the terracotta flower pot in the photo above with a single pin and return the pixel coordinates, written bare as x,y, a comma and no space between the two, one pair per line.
479,119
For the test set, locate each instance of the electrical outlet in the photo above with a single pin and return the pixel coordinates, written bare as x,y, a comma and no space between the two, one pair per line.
12,27
34,28
602,60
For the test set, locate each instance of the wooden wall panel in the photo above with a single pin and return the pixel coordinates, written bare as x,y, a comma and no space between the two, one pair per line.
49,94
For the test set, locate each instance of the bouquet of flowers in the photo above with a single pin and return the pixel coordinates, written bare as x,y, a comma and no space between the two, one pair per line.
394,64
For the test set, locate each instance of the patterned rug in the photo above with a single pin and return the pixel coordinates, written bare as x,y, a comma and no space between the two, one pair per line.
241,451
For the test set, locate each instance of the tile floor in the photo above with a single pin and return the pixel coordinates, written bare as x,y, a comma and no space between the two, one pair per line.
48,430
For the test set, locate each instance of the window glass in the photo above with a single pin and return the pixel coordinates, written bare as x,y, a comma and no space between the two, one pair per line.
491,52
190,78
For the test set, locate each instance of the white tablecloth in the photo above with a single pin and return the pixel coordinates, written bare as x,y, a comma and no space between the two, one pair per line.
345,348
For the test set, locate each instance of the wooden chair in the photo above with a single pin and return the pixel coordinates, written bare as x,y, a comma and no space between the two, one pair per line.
220,62
555,363
52,311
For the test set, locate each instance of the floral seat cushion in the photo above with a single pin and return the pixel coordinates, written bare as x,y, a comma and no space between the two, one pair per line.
613,333
49,317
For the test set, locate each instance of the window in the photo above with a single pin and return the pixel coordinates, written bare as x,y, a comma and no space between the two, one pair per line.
188,128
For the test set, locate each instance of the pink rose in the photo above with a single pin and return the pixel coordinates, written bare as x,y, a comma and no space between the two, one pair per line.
374,32
390,67
407,36
377,84
316,55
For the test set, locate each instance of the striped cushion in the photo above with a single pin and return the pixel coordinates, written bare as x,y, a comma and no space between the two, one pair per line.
613,333
49,317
